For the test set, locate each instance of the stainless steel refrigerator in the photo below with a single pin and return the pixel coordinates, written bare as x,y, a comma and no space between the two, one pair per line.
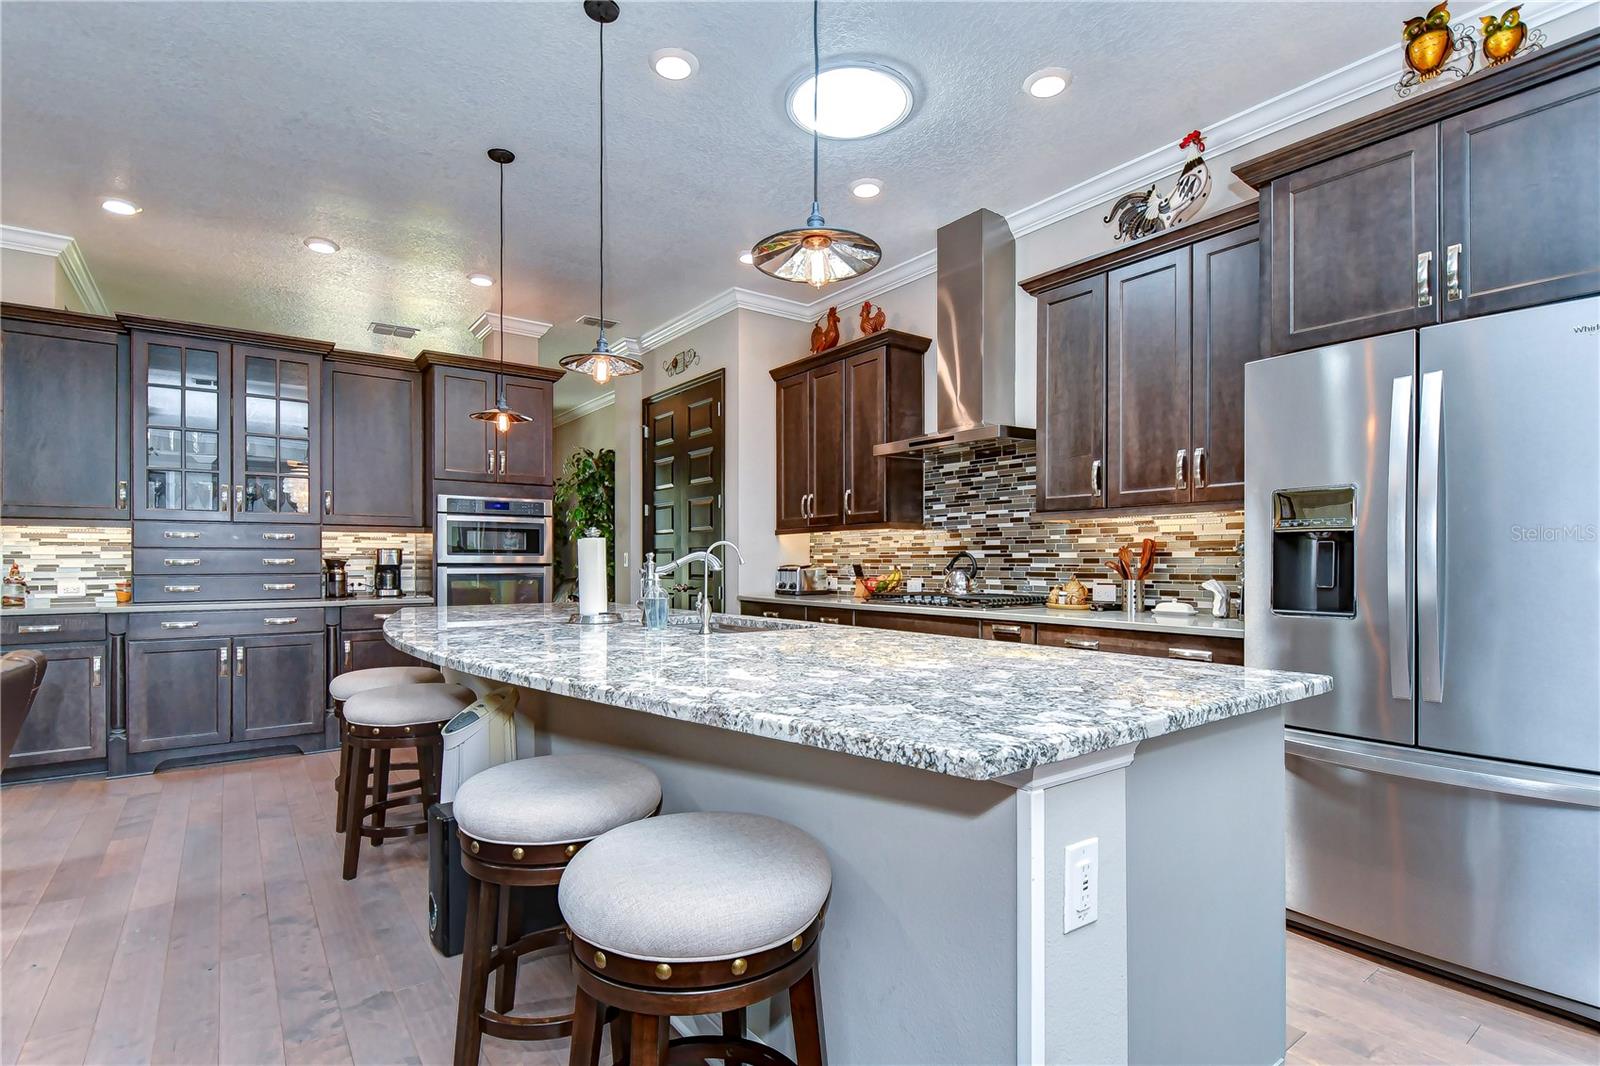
1422,522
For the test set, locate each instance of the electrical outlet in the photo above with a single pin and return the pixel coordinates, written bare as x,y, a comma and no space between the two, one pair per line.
71,588
1083,884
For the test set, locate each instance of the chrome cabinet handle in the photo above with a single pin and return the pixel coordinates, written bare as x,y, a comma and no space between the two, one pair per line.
39,629
179,534
1006,633
278,586
347,655
238,661
1199,468
180,562
1180,476
226,505
380,616
327,501
222,661
277,560
847,495
502,460
238,498
181,588
122,494
1452,272
277,536
1430,543
1095,469
1084,645
95,672
179,625
770,614
1199,655
284,621
1424,279
831,621
490,470
1399,588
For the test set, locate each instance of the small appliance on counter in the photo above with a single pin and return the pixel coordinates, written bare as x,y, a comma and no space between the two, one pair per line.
386,572
795,580
335,581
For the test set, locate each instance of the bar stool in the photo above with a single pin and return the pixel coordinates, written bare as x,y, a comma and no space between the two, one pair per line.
348,684
519,824
376,722
700,913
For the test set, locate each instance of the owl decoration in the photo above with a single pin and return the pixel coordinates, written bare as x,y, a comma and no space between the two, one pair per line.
1433,47
1507,35
1139,214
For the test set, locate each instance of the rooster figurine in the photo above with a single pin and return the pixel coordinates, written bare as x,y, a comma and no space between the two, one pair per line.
824,338
871,321
1139,214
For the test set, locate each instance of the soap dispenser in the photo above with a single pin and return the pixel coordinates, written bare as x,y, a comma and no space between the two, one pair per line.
654,598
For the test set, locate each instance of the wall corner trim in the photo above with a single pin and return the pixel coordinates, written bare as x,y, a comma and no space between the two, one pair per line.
67,253
485,324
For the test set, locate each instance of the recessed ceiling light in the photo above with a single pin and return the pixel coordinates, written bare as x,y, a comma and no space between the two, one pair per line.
321,245
120,207
866,188
482,281
746,258
674,64
1045,83
856,101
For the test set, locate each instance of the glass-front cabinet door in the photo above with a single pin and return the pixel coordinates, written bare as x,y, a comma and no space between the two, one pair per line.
276,458
181,427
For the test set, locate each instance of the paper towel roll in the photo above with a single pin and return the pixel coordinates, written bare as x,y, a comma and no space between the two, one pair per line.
591,575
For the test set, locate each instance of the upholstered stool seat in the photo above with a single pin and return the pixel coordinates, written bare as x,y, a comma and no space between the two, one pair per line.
694,914
554,799
407,704
349,683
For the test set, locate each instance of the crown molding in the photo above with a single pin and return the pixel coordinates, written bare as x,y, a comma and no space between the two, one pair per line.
485,323
18,239
65,251
734,299
587,407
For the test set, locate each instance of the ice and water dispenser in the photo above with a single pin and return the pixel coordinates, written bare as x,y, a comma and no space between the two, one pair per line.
1314,551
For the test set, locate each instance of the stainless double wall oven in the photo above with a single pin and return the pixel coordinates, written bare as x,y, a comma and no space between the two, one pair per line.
490,550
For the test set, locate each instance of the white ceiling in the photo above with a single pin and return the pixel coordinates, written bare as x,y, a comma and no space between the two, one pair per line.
243,127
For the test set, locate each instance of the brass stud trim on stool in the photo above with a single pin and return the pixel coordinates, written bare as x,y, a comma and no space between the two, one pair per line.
474,848
796,944
572,849
600,959
516,853
739,967
663,972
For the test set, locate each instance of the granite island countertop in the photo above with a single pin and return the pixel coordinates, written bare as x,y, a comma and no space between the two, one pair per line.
969,709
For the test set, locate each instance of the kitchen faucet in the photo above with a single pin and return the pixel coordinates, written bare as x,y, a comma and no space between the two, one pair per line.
712,564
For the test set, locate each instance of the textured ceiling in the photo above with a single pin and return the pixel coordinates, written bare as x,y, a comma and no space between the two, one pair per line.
243,127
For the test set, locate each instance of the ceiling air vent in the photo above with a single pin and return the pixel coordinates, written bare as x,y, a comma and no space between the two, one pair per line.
389,329
596,322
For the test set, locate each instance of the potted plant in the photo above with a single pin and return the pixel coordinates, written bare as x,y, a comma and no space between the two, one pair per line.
586,495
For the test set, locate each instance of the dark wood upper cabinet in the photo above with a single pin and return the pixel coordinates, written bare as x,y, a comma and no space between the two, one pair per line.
371,444
1147,381
1227,335
1353,243
528,447
1521,199
1072,396
277,436
794,452
827,446
65,432
182,422
463,449
881,489
461,445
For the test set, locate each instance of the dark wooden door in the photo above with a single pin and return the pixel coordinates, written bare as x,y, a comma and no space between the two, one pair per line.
67,721
527,446
1072,396
183,466
1353,244
365,649
179,692
794,453
277,420
826,392
683,460
464,449
279,685
865,425
1521,199
1227,335
371,445
1147,397
65,431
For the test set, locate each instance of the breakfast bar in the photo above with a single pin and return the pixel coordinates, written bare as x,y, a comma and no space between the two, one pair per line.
947,780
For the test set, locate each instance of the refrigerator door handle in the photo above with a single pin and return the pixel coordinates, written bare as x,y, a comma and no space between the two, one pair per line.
1398,571
1430,538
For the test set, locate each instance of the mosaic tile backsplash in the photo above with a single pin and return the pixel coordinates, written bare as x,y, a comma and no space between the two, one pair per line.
981,499
356,546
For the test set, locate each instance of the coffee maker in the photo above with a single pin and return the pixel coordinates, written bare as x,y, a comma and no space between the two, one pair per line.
335,582
386,572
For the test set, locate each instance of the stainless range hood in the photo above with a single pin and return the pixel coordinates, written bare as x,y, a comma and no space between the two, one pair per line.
975,390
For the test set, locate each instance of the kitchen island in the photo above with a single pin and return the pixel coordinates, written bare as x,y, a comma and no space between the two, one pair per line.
946,778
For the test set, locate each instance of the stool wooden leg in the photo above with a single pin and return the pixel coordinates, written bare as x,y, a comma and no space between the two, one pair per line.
474,971
380,789
586,1026
648,1042
805,1014
430,768
510,930
621,1038
355,799
339,785
733,1022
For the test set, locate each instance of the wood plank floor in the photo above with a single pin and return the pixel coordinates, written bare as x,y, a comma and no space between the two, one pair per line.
198,916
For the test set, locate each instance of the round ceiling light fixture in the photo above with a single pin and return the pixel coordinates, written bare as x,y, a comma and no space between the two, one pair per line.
866,188
674,64
320,245
858,100
482,281
117,206
1047,82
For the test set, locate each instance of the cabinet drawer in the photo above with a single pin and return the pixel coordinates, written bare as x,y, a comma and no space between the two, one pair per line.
173,536
790,611
364,618
178,562
187,588
920,623
1010,632
52,628
1133,642
183,624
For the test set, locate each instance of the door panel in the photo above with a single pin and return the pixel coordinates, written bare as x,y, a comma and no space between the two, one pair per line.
827,445
528,445
1147,359
372,452
178,693
67,721
1326,418
279,685
1521,198
1227,335
684,462
277,440
865,408
794,453
461,444
1072,396
1517,501
366,649
182,423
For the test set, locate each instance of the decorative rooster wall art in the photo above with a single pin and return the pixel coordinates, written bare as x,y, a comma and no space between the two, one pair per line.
1139,214
872,321
825,337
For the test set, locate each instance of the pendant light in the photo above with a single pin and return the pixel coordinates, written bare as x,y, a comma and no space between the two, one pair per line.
501,415
600,362
815,254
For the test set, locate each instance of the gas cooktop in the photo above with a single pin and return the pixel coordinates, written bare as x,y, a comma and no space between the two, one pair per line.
970,600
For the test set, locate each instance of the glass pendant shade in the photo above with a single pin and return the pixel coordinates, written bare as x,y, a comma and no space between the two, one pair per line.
601,363
816,254
502,416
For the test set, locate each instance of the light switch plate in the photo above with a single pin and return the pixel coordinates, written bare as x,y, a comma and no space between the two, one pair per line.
71,588
1083,884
